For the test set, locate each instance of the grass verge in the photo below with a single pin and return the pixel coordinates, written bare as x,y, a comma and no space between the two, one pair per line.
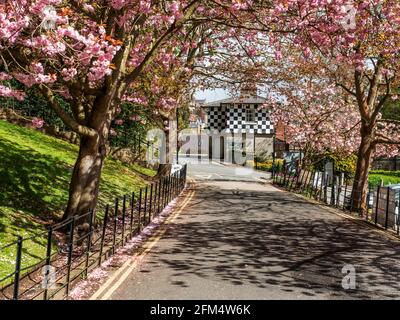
35,171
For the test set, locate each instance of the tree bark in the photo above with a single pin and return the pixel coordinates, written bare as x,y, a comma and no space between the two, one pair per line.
85,180
360,184
164,167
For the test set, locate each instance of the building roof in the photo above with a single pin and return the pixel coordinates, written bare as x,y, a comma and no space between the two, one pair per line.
254,99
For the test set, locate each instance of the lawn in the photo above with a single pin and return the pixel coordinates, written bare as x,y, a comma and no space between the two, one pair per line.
387,177
35,170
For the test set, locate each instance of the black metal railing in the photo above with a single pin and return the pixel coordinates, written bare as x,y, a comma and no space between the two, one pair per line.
71,249
381,204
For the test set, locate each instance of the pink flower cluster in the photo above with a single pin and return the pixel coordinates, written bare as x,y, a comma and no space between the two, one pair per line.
37,122
36,75
11,93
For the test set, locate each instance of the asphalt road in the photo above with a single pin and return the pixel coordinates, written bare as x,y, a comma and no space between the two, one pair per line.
241,238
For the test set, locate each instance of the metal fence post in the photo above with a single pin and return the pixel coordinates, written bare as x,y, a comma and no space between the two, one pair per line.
311,184
159,195
140,210
352,196
166,191
145,206
387,207
150,202
298,178
339,190
368,201
156,191
132,211
175,184
115,224
70,251
103,233
305,185
17,273
377,203
170,188
123,219
48,257
345,194
89,239
184,182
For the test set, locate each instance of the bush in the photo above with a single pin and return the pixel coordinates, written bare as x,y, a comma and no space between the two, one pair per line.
267,165
343,163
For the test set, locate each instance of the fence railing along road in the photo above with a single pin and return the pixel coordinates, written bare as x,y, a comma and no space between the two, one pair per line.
337,191
64,263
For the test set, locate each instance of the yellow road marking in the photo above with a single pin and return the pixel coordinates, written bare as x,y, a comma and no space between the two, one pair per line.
124,271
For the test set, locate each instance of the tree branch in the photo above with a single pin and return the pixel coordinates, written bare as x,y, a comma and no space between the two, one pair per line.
68,120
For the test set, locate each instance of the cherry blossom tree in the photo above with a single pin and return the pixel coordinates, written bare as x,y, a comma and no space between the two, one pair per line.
95,55
357,44
317,119
89,54
353,42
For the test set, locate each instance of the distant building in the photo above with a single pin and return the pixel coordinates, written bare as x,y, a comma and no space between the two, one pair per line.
242,115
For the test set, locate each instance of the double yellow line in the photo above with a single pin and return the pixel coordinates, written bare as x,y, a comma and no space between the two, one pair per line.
112,284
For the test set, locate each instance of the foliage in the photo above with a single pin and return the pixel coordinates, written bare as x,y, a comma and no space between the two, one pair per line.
34,105
267,165
386,173
344,163
131,125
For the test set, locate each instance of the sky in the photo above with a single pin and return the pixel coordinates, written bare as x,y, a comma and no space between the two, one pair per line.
218,94
212,95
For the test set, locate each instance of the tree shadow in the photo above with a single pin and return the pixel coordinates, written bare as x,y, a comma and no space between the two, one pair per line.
30,181
271,239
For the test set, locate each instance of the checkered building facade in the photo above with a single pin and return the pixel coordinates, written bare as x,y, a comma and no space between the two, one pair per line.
232,119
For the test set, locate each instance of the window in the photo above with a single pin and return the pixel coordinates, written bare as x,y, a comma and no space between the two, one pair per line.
250,115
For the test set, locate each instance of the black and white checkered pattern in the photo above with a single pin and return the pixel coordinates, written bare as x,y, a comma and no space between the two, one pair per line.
233,120
236,120
264,125
217,118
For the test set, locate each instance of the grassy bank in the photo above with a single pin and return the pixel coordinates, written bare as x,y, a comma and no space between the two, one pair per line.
388,177
35,170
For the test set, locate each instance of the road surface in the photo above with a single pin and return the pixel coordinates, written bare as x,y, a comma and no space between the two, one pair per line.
241,238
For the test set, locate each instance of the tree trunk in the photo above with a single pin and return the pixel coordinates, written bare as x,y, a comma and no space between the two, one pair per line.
85,180
164,167
360,184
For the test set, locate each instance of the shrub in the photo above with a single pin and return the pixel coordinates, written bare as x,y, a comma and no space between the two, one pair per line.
267,165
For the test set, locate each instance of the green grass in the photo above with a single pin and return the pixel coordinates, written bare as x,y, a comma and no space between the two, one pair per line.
375,179
35,171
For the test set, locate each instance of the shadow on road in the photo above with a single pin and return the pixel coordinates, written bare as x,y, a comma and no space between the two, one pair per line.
273,239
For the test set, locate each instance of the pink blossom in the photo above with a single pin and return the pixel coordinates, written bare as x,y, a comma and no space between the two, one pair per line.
37,123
